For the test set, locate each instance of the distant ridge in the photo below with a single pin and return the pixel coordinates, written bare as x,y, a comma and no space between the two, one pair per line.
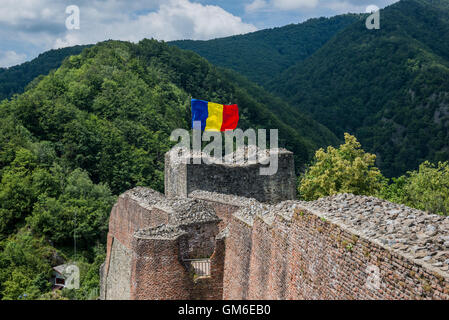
263,54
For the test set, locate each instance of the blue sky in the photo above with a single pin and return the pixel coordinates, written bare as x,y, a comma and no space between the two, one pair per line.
30,27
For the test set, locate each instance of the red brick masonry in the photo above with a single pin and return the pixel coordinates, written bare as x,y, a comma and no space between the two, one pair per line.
340,247
285,251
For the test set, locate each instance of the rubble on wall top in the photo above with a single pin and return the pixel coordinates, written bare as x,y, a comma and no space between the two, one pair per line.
161,232
263,155
285,209
186,211
144,195
247,214
411,232
182,211
237,158
228,199
249,207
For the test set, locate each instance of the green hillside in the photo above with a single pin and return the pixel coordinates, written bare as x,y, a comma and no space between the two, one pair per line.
264,54
389,87
15,79
95,127
89,126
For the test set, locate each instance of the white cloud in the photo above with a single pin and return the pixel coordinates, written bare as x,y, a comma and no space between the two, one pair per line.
256,5
11,58
280,5
177,19
339,6
294,4
41,23
315,6
13,12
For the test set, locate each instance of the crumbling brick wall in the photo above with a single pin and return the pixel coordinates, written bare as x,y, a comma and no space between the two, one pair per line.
157,270
260,259
127,216
294,252
150,240
130,214
340,247
237,262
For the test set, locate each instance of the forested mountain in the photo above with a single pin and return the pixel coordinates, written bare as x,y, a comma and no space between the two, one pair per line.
93,125
264,54
15,79
100,125
390,87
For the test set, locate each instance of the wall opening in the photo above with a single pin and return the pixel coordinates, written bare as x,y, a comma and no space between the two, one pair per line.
199,267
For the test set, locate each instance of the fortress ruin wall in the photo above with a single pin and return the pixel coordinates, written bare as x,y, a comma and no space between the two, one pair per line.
339,247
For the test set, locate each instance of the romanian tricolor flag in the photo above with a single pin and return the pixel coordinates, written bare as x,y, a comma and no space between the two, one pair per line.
214,116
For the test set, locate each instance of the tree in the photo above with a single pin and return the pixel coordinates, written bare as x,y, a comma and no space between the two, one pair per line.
426,189
347,169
